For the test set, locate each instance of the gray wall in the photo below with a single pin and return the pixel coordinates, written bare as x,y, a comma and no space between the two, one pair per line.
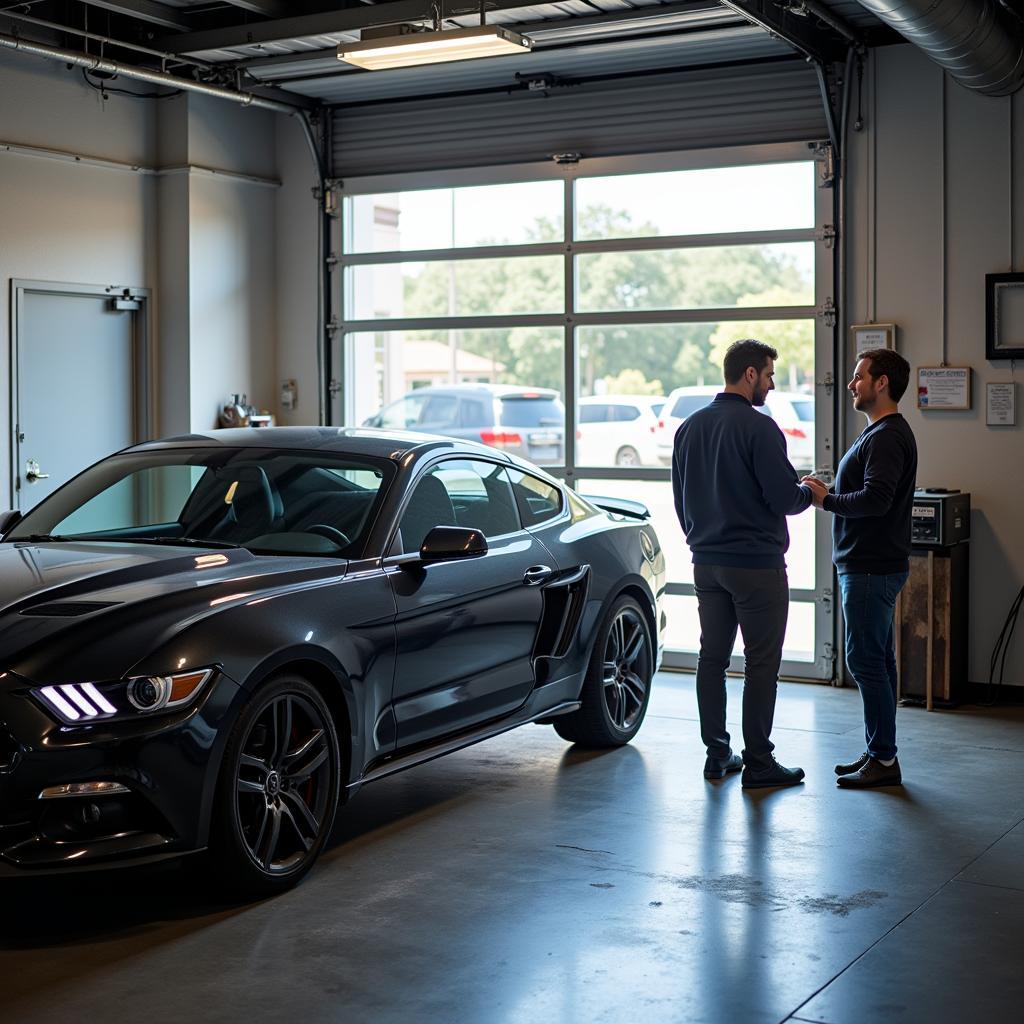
896,208
217,250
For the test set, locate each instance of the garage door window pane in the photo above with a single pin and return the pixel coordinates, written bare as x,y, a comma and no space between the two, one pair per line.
446,218
501,387
764,197
386,291
715,276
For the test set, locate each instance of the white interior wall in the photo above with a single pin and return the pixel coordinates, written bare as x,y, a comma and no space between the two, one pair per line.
896,207
62,221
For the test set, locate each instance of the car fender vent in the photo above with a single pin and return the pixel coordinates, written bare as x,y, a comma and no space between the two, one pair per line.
68,609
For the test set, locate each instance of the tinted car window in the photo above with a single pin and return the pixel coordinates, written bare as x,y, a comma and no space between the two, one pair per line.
687,405
625,413
402,414
474,413
271,502
805,410
593,413
440,411
537,499
657,407
460,492
532,412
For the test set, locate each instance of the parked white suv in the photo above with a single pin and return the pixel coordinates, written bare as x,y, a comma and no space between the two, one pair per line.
618,430
791,410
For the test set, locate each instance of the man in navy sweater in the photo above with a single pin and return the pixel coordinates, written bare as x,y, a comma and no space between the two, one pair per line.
872,504
733,488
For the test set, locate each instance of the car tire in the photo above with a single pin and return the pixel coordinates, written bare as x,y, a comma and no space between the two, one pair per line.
627,455
277,794
617,686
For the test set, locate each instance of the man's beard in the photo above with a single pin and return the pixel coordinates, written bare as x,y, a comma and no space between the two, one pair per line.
758,397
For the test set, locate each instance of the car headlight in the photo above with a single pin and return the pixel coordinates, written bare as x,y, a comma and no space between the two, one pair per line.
82,703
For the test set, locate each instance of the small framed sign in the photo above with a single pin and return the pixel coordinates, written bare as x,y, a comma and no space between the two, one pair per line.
1001,404
943,387
867,336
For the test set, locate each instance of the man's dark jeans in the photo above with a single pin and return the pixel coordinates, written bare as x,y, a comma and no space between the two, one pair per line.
868,603
756,601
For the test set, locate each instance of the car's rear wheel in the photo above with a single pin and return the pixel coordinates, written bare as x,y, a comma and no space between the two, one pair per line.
627,455
278,789
617,686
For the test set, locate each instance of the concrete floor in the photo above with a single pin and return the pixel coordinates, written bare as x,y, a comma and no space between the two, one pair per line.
524,881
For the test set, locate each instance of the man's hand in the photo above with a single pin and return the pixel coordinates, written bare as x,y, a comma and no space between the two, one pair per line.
818,489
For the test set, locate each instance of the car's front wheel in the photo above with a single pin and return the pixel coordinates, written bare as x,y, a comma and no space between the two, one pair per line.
278,789
617,686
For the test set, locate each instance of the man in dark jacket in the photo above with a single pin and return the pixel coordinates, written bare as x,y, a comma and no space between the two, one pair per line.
733,488
872,503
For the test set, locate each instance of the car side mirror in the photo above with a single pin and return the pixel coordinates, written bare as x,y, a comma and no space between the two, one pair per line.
8,520
447,543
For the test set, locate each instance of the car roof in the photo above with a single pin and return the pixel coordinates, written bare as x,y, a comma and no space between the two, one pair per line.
371,443
490,390
696,389
622,399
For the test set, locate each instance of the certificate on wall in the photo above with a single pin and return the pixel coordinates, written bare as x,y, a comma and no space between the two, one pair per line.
1000,404
943,387
867,336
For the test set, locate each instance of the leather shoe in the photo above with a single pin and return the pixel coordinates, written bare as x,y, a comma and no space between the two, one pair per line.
773,775
853,766
872,774
717,767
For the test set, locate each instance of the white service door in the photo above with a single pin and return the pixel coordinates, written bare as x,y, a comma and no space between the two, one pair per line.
76,385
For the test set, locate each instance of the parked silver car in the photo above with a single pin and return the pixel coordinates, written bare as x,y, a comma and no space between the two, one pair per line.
525,421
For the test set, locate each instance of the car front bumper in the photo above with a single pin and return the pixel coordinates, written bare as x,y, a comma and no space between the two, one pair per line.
166,765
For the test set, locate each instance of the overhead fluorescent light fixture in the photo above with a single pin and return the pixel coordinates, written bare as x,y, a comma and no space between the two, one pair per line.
414,48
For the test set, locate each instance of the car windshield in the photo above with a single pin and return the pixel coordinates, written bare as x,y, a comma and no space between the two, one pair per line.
537,411
269,501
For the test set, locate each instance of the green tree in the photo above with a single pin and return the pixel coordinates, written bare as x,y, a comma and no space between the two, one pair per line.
792,339
631,382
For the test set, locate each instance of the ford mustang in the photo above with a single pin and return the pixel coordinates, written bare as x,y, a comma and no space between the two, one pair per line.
210,642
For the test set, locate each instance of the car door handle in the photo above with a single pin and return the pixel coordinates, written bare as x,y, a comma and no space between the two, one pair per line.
537,574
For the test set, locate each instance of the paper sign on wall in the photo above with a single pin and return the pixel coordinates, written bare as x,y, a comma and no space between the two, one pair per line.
1000,404
943,387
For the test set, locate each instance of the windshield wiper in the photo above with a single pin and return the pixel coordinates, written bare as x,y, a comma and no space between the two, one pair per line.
43,538
194,542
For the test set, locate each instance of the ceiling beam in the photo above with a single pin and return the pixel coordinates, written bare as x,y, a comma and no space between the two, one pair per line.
778,20
268,8
145,10
350,20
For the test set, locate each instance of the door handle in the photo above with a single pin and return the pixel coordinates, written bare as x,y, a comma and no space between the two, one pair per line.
32,473
537,574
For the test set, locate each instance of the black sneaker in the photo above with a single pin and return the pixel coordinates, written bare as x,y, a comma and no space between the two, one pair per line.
872,774
853,766
774,775
717,767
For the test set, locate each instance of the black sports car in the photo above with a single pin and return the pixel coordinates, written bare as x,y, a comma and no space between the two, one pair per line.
209,642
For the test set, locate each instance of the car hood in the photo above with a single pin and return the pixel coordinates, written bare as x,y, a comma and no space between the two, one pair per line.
130,595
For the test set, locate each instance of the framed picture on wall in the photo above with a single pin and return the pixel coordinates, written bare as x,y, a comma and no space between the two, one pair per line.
1004,316
865,336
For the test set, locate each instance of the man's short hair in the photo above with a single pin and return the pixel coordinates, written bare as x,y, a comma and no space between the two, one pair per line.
746,353
885,362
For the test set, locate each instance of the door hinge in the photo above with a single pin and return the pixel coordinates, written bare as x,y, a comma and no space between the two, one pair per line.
828,383
334,387
826,602
825,159
827,312
332,325
827,234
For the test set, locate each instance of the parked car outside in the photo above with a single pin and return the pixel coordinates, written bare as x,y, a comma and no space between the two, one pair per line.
791,410
212,642
618,430
525,421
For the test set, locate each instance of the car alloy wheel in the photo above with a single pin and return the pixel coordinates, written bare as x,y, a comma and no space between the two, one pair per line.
279,789
625,669
617,685
627,456
283,783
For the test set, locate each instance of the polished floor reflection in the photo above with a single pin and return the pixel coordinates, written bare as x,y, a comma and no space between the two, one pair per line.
523,880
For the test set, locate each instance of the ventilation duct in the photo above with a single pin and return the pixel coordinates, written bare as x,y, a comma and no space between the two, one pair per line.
976,41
